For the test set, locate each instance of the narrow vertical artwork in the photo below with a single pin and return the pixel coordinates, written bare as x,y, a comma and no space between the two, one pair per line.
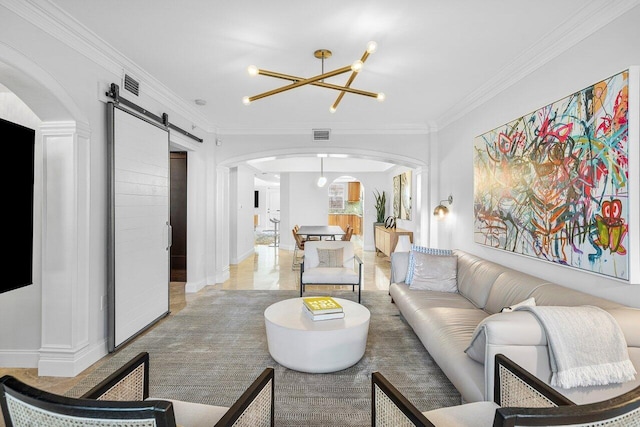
554,184
396,196
405,195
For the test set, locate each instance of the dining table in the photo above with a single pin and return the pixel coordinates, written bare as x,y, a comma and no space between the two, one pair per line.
330,231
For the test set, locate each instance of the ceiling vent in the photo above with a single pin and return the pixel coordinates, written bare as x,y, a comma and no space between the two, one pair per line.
321,134
131,85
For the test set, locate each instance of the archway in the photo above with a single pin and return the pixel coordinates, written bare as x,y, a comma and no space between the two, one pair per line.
58,330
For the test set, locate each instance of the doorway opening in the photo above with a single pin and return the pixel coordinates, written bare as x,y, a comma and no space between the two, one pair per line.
178,216
345,198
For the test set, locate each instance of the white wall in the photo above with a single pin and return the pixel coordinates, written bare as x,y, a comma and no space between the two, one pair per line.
241,213
608,51
62,78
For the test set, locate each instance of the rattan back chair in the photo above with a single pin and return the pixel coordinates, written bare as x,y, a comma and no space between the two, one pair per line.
119,400
519,399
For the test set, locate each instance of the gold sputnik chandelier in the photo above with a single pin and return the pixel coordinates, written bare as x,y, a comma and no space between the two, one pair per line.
319,79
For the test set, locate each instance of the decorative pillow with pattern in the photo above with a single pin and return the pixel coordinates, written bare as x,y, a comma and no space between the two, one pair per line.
331,258
435,273
424,250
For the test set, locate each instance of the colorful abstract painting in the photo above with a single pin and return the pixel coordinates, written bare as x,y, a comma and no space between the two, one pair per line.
554,185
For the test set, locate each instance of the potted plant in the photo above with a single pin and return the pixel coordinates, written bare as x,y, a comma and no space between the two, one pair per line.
381,203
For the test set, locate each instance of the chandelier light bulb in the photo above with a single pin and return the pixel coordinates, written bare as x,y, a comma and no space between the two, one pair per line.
332,109
252,70
322,181
246,100
381,97
372,47
356,66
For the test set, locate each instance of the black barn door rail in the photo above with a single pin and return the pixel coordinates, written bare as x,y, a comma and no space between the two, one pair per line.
114,92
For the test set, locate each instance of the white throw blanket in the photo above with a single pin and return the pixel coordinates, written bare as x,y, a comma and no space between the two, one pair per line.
586,346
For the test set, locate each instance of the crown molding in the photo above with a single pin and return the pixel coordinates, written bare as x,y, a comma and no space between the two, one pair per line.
579,26
50,18
356,130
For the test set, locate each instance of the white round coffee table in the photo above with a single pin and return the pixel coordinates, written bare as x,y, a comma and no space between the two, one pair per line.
299,343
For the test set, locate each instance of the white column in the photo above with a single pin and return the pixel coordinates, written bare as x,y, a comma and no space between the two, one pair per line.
65,249
222,225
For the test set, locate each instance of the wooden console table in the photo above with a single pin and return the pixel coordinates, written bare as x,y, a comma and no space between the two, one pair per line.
387,238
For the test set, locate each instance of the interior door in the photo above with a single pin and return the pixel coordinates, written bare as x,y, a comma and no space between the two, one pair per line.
138,282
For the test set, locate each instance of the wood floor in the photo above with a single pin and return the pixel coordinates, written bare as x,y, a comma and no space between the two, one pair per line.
269,268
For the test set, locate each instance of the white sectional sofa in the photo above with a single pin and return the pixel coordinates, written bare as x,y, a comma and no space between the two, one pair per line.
445,323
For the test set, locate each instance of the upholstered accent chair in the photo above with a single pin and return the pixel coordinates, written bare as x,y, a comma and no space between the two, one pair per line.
122,399
330,262
519,399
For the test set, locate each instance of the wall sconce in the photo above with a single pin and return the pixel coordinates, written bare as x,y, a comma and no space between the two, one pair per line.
441,210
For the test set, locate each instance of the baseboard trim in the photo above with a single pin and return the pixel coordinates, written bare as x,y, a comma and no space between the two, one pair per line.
19,358
191,287
69,363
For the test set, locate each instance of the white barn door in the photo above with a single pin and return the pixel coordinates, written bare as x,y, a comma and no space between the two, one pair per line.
139,225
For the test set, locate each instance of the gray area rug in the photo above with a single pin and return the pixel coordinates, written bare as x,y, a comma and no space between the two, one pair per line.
215,347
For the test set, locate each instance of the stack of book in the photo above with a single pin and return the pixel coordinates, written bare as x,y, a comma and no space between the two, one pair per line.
322,308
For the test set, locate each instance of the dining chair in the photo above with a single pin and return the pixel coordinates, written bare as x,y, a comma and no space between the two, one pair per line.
519,399
298,250
347,234
122,399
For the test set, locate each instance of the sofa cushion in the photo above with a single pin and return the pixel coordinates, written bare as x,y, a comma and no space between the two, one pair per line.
511,287
410,301
329,275
445,333
195,414
476,277
469,414
553,294
434,272
330,257
423,250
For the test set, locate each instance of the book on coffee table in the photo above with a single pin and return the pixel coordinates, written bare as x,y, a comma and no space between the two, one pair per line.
321,305
325,316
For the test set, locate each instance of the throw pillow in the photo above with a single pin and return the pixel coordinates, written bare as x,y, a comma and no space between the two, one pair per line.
330,258
528,302
476,347
435,272
424,250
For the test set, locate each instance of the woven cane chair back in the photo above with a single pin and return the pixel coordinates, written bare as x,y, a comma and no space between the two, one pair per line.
25,406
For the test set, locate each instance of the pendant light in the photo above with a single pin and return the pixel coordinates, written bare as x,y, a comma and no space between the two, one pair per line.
322,180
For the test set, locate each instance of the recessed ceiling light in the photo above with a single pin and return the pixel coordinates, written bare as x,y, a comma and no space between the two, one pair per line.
200,102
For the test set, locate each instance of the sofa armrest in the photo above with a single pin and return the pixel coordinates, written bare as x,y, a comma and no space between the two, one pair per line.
129,383
399,266
256,403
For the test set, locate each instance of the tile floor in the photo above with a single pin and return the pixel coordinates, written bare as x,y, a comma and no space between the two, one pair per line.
269,268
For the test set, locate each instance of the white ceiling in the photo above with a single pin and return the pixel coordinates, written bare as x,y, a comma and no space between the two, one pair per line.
435,60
